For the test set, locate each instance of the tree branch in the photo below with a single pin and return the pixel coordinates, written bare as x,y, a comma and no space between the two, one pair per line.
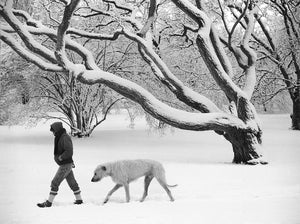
27,55
61,32
177,118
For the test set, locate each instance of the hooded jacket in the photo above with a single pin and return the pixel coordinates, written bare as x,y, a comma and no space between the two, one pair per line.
63,147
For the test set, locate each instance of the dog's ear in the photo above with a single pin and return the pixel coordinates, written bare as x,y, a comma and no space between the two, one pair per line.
103,168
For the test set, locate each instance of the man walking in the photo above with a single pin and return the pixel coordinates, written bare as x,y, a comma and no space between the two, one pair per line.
63,152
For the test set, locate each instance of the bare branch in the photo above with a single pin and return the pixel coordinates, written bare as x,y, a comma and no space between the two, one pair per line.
237,22
106,113
119,6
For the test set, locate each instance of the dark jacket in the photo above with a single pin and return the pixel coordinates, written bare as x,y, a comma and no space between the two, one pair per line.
63,147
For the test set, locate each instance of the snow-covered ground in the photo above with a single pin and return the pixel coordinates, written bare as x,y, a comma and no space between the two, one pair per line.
210,189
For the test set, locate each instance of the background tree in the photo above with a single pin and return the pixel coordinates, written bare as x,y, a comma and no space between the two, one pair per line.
15,89
239,126
82,107
28,95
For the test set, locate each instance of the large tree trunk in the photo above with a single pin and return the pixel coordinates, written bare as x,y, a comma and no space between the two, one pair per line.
81,128
246,147
246,143
296,110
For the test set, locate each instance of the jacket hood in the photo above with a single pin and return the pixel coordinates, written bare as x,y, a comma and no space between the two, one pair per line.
56,127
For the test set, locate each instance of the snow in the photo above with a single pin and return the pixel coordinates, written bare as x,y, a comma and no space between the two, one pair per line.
210,189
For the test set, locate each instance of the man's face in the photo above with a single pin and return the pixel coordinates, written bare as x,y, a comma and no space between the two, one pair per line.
53,132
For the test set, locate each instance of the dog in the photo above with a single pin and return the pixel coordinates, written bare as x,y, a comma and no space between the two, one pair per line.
125,171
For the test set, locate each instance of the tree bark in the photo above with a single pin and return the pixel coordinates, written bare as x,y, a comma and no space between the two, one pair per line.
246,147
296,110
246,143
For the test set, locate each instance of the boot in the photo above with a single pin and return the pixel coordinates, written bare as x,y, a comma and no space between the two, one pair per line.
44,204
78,202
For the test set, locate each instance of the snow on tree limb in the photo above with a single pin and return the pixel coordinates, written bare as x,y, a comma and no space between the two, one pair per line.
28,40
245,56
181,119
219,49
92,35
207,49
193,99
175,117
11,41
204,104
37,28
251,55
60,52
66,2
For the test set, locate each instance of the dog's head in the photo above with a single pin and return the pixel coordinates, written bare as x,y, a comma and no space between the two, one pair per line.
99,173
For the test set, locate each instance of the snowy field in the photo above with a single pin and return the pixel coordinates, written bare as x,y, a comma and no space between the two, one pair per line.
210,189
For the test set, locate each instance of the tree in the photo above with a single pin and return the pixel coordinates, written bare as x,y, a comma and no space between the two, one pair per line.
14,88
239,126
79,105
29,94
287,57
278,45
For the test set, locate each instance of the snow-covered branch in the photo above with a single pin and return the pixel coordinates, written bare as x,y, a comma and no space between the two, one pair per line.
60,52
23,33
175,117
251,55
244,54
204,104
17,47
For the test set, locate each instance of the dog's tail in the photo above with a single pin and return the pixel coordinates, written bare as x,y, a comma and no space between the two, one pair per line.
175,185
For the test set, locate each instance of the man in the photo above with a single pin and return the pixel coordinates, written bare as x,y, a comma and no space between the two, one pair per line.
63,152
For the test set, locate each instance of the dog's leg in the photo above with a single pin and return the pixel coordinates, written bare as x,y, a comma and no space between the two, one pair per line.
126,186
147,183
164,185
116,187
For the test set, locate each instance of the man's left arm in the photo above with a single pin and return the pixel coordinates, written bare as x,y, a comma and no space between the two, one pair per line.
68,148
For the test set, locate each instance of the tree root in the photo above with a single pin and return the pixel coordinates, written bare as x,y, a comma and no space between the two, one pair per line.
257,161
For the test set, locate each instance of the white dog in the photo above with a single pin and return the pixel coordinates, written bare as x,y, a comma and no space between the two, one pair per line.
125,171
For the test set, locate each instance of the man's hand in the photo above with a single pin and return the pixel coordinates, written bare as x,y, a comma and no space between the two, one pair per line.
59,158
